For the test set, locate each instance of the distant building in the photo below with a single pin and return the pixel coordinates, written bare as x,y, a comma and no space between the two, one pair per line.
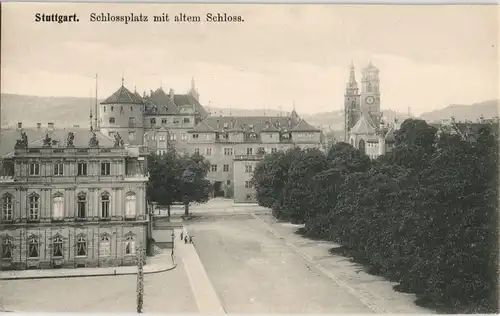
364,127
161,121
70,198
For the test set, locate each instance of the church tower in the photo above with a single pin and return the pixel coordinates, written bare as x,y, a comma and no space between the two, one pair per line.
351,103
370,93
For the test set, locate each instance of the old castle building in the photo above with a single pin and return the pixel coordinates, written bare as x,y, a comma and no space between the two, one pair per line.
161,120
364,126
70,198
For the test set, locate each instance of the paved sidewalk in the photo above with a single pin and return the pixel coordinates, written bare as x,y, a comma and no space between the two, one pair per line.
159,263
206,298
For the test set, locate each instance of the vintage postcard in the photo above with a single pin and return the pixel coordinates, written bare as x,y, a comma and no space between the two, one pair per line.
251,158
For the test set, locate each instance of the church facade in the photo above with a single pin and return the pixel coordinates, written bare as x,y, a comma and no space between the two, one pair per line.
364,126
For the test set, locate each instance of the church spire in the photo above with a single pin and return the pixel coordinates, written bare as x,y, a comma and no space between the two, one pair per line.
352,85
193,90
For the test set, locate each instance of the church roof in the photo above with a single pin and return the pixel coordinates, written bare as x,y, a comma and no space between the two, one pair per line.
123,96
363,126
389,137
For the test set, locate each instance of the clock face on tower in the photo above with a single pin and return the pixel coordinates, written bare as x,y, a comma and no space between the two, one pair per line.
370,99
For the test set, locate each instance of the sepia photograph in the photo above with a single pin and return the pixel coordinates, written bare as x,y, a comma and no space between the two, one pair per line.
249,158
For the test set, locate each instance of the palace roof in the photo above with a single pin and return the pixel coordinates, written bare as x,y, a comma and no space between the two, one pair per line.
123,96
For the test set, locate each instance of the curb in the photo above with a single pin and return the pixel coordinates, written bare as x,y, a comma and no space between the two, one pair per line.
89,275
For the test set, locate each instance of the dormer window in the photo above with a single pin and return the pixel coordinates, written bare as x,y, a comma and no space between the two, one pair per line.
226,125
251,126
253,135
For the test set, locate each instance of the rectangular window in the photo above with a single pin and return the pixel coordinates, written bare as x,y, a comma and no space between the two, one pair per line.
207,136
164,121
209,151
82,206
186,120
131,120
213,168
195,136
228,151
57,246
130,204
184,136
58,169
161,138
105,206
7,207
105,168
273,150
249,151
34,204
112,119
228,182
197,151
226,168
131,135
172,136
82,168
248,168
34,169
153,121
248,185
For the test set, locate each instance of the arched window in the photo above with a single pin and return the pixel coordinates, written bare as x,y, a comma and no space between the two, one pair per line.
34,207
105,246
7,207
130,205
58,206
105,211
7,247
81,205
369,87
81,246
33,247
57,246
129,244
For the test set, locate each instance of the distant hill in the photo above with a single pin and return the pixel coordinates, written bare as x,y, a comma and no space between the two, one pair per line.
488,109
69,111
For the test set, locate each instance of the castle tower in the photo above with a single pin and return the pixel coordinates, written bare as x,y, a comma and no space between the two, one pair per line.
351,103
370,93
122,113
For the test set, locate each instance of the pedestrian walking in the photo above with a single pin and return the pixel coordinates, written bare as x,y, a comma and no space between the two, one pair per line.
186,239
190,239
182,235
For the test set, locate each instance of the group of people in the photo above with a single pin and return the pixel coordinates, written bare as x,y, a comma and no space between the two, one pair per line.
187,239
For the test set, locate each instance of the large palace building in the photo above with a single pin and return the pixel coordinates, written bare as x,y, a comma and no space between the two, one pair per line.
70,198
233,145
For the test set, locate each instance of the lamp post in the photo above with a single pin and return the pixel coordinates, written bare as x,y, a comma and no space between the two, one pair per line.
140,278
173,244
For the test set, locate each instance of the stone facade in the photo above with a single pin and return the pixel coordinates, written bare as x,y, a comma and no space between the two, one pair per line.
170,120
71,203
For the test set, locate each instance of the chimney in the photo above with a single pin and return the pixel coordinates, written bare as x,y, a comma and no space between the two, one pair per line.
38,125
171,94
19,125
50,126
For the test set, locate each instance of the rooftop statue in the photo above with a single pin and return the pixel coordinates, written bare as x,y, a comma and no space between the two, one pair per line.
47,141
118,141
70,139
93,142
23,142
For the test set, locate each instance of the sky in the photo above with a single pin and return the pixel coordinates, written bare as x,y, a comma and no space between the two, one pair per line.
428,56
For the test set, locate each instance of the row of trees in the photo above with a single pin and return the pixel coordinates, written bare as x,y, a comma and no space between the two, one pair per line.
178,178
423,215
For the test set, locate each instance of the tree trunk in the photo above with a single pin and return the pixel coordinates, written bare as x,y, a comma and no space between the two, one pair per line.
186,209
168,210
